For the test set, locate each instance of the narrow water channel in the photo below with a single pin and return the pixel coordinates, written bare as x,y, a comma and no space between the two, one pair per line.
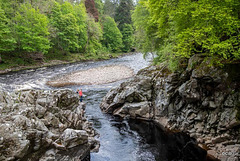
120,140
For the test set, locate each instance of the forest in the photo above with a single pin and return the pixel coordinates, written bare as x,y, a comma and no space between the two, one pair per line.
58,29
171,30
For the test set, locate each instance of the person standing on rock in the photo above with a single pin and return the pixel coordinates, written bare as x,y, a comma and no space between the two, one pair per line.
80,94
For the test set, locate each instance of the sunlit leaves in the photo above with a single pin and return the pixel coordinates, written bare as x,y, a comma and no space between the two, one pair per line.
112,37
7,42
187,27
31,30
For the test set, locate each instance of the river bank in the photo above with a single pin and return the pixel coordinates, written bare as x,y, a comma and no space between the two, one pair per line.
18,63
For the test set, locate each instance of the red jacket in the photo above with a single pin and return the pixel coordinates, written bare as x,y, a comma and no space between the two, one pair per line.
80,93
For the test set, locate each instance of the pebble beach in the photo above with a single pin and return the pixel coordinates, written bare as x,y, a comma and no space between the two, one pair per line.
93,76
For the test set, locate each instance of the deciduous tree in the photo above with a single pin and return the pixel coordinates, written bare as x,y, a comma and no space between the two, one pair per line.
127,39
81,16
112,37
95,34
65,31
182,28
7,42
91,9
31,30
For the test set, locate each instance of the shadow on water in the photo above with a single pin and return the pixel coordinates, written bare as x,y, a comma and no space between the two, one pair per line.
164,145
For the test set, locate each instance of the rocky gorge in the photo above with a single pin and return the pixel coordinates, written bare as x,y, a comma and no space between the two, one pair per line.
202,101
44,125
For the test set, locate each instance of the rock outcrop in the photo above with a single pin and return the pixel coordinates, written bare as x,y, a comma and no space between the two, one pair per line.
203,101
40,125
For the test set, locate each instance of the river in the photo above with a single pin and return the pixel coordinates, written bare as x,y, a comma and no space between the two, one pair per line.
120,140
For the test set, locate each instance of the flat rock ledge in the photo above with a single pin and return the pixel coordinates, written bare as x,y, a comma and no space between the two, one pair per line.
99,75
42,125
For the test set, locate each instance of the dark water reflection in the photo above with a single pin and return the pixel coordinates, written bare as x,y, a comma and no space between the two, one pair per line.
167,145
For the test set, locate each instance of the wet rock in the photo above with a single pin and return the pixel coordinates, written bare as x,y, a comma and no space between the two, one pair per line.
189,91
49,155
71,138
22,148
232,100
229,118
141,110
194,61
220,139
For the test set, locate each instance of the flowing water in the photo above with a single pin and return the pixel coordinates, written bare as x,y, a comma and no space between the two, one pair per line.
120,140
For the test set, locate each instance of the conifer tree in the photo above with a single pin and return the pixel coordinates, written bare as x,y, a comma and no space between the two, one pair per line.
109,8
123,13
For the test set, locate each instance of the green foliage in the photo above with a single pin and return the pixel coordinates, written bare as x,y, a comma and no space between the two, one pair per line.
53,27
213,28
31,30
7,42
145,39
81,16
65,27
109,8
112,37
182,28
127,39
95,34
10,7
99,5
123,13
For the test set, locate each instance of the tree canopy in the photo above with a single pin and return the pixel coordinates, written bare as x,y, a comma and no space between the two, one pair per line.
91,9
123,13
7,42
63,27
127,33
31,30
182,28
112,37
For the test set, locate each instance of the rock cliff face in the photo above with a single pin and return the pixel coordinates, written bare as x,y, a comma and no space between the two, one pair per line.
203,101
41,125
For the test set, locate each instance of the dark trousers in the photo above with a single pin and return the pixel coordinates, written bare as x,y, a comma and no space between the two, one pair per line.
81,98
